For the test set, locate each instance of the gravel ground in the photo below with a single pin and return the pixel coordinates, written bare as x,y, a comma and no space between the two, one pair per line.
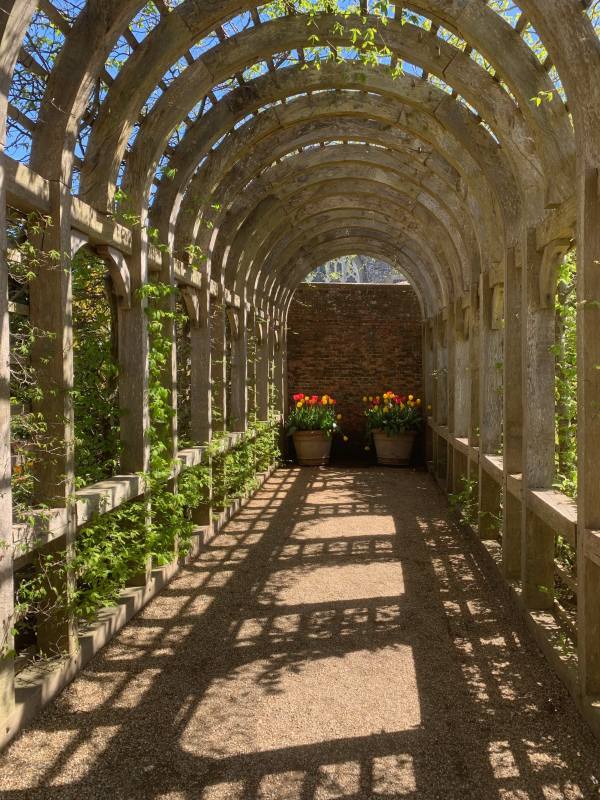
339,639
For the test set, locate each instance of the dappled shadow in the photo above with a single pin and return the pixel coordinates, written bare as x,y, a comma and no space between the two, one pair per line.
339,639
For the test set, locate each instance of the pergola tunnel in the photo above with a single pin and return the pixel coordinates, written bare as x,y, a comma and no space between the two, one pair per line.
172,173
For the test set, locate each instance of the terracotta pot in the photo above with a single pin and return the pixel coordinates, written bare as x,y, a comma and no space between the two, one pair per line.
313,448
394,449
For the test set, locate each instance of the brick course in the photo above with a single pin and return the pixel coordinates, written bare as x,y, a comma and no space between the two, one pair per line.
354,340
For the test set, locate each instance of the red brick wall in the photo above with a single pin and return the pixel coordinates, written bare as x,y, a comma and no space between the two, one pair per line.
354,340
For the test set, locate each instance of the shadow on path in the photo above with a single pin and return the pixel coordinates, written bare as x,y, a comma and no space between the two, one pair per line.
338,639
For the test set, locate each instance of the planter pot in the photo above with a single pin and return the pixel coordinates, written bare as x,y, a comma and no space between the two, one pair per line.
313,448
394,450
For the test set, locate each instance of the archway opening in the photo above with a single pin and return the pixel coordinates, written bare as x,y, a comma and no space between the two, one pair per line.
355,332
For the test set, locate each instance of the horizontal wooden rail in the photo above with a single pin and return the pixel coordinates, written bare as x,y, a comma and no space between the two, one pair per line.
554,508
43,526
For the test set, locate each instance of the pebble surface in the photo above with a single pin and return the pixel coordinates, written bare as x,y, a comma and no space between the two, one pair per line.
338,639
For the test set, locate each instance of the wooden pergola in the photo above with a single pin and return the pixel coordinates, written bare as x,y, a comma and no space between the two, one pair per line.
468,171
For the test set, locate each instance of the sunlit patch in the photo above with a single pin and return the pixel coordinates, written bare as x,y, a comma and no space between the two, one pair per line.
134,689
271,705
394,776
333,584
84,756
346,526
475,682
230,790
502,760
91,690
31,763
542,760
556,791
283,786
338,781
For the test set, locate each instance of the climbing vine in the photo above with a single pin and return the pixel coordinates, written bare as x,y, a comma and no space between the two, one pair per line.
565,351
114,549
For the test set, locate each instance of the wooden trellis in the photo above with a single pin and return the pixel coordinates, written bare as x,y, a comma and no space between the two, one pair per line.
468,171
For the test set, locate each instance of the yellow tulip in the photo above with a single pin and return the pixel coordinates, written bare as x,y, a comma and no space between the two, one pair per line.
410,397
370,399
418,401
365,399
338,417
345,438
299,404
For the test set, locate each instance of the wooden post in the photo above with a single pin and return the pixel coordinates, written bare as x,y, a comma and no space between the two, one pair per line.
219,366
7,693
537,553
262,369
588,428
461,394
198,305
251,358
169,373
513,415
133,364
50,304
198,308
490,401
239,367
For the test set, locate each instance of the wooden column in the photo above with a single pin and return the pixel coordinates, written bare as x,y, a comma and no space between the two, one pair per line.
251,351
239,367
427,385
450,334
474,365
197,303
441,404
169,373
50,304
537,553
133,364
588,427
461,395
490,400
262,369
7,694
198,307
219,366
279,398
512,454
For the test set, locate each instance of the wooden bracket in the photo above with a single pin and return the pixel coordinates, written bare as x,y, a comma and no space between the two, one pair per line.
78,240
261,331
497,315
119,272
191,301
554,253
234,320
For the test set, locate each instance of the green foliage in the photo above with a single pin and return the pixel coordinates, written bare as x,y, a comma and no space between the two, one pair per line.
466,501
565,350
95,392
115,548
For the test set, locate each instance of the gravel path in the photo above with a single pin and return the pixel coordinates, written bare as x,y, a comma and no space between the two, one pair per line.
339,639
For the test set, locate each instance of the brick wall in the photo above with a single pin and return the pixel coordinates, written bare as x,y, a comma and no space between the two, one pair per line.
354,340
